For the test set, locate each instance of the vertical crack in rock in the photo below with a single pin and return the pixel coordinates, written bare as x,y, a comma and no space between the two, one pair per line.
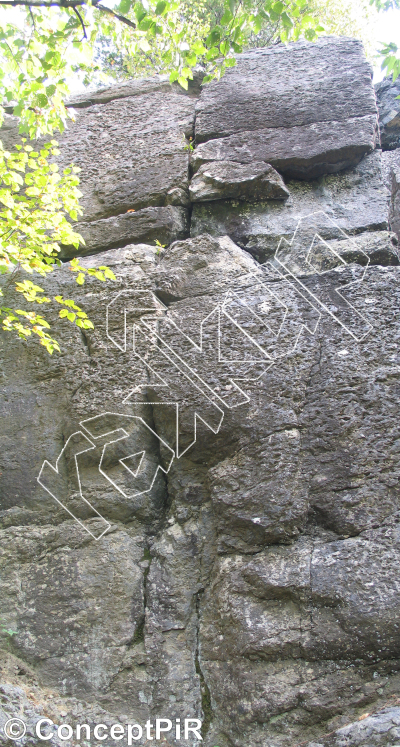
311,584
85,342
139,632
204,689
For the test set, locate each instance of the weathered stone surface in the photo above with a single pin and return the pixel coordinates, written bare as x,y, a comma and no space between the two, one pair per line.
375,248
225,107
201,266
227,439
389,112
304,123
355,201
14,703
279,607
22,697
134,87
381,728
165,224
133,152
227,179
299,152
172,612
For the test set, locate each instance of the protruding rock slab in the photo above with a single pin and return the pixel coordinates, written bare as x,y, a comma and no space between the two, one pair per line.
303,152
309,109
165,224
131,152
227,179
354,201
389,112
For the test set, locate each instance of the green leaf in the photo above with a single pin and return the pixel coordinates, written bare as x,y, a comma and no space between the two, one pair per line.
139,11
145,24
213,53
144,45
309,34
42,99
161,8
191,59
109,273
183,82
226,18
214,37
257,24
286,21
124,7
50,90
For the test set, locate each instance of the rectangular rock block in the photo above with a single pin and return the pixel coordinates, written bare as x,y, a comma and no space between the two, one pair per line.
301,152
132,151
306,108
131,144
165,224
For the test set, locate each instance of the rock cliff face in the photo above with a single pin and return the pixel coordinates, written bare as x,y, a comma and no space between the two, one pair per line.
200,505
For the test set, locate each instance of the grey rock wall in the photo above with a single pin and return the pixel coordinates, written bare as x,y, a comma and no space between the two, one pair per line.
133,152
308,111
199,498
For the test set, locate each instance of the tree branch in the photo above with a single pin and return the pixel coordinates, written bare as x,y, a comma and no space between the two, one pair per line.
43,4
116,15
81,20
33,19
68,4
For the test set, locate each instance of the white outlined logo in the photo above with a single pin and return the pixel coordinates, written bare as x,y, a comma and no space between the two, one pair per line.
203,373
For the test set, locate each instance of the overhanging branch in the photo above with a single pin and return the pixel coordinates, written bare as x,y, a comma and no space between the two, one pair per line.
116,15
81,22
42,4
68,4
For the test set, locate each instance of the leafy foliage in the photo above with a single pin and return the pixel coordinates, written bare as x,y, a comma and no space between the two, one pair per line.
389,52
40,52
48,42
35,198
35,201
391,60
175,36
